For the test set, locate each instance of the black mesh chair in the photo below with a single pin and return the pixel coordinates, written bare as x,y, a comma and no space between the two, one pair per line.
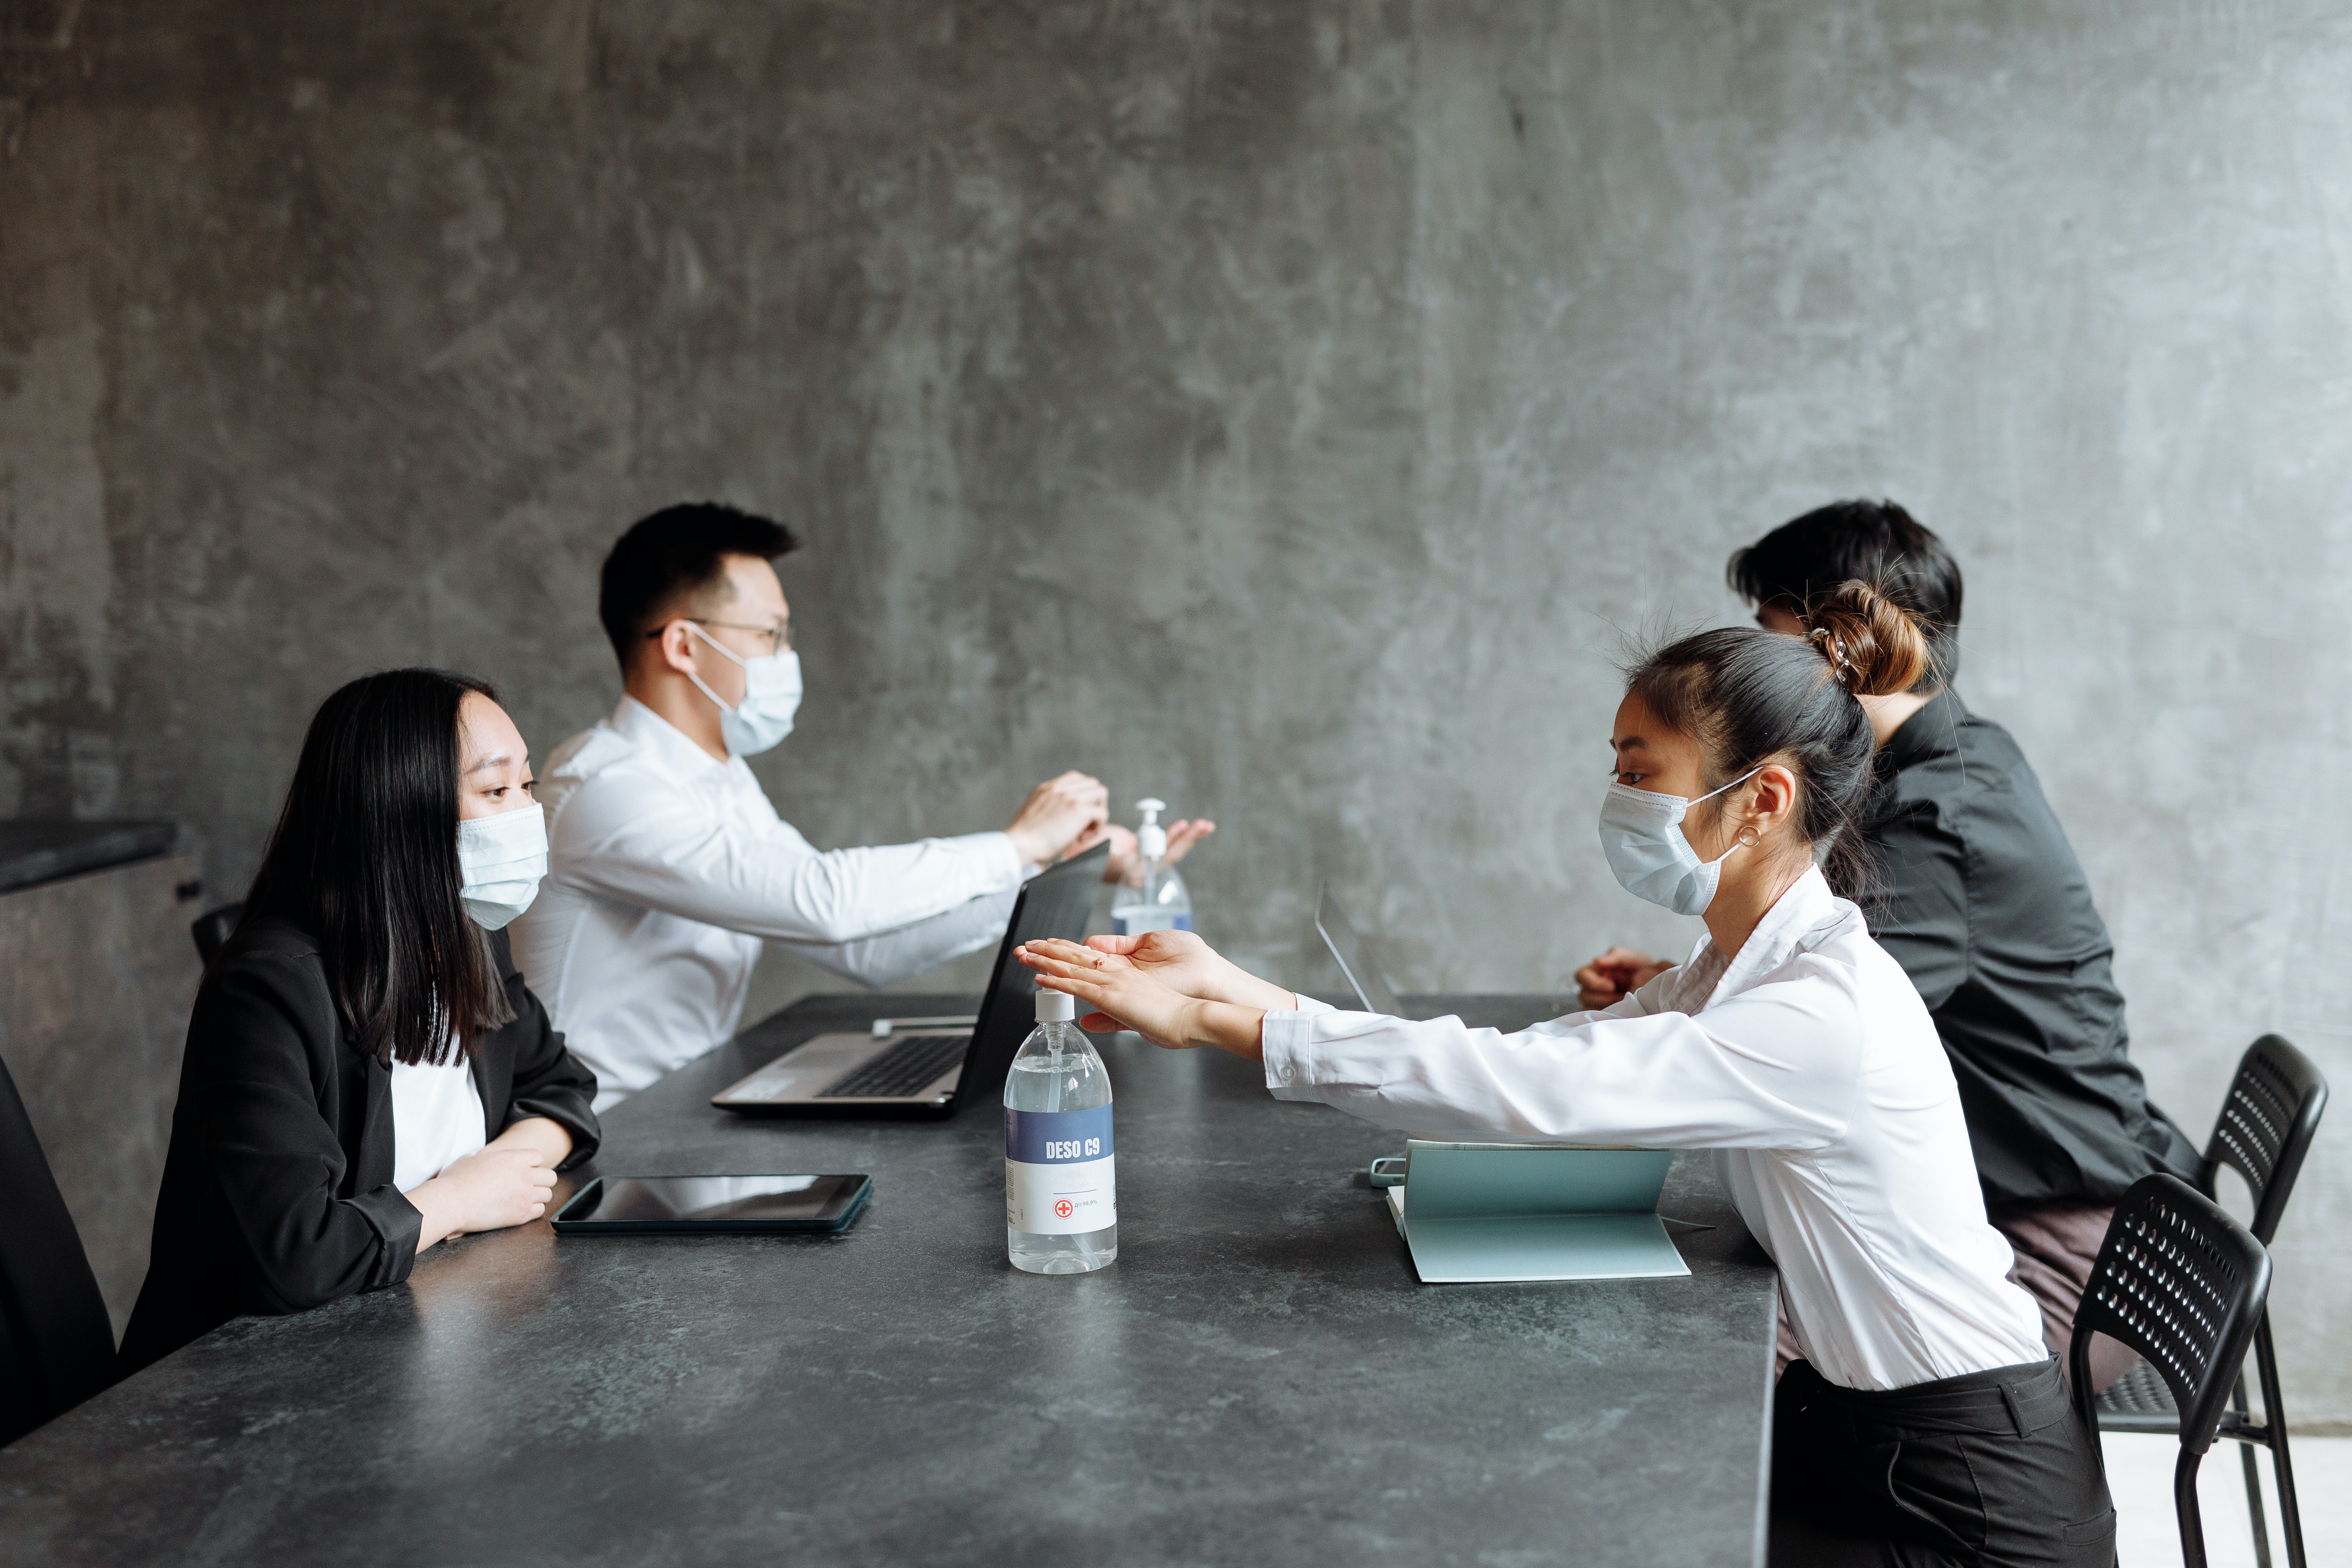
2265,1128
213,927
57,1343
2183,1284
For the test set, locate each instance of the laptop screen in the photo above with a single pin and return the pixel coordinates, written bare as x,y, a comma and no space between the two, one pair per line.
1357,960
1057,902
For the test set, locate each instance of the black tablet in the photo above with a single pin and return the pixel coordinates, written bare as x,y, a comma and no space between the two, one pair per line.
707,1205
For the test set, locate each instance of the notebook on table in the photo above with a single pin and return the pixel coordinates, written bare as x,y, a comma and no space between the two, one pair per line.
1475,1213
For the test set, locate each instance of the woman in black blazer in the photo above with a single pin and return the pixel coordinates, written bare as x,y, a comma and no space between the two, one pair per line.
367,1001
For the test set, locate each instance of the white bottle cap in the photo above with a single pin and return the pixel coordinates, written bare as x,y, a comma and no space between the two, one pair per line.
1055,1006
1150,838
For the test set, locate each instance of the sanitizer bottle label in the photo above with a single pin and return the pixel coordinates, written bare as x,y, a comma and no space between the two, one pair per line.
1057,1172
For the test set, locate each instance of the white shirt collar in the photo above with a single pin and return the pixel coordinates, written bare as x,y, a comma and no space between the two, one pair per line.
671,749
1805,908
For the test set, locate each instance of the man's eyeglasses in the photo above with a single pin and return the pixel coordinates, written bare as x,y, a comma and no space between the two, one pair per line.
779,636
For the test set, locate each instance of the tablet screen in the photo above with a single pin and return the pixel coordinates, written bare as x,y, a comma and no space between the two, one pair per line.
647,1199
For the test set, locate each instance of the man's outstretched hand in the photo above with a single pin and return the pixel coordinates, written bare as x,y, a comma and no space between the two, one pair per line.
1615,975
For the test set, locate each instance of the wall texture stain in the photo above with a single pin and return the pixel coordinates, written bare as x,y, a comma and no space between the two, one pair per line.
1286,408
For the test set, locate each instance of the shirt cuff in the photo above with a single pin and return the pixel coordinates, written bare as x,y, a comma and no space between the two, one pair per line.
1286,1042
1011,869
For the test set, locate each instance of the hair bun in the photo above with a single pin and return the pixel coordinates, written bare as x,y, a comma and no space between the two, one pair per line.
1874,646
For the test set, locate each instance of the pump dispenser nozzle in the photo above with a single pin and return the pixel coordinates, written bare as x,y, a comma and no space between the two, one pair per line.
1150,837
1153,897
1055,1006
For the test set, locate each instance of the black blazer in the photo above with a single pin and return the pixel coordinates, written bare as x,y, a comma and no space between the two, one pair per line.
277,1193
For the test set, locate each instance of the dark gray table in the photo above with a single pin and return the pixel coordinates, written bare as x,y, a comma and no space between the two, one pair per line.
1259,1379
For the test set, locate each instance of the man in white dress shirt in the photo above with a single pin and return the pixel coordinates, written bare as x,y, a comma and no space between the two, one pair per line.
667,866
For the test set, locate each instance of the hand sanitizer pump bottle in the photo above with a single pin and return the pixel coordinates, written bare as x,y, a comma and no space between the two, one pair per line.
1061,1200
1160,901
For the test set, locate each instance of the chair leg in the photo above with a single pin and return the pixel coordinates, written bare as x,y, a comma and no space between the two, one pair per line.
2254,1506
2253,1480
2275,1421
2184,1503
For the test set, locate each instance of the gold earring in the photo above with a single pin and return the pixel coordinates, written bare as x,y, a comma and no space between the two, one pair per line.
1749,838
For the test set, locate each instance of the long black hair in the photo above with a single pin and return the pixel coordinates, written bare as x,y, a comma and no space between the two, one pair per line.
1749,697
364,859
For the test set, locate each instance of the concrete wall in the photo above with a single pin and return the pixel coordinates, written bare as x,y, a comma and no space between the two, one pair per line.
1281,406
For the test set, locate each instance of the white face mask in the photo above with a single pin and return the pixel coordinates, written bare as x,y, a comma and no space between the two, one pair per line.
499,862
1642,833
772,695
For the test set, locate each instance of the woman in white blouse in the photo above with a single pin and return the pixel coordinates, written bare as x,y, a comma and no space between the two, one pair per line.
1928,1422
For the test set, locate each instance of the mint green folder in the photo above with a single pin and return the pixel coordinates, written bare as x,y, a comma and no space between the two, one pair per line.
1491,1212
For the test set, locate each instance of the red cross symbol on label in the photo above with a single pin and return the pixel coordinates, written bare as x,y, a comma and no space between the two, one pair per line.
1063,1210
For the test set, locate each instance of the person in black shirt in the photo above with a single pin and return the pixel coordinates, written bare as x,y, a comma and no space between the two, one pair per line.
1986,907
366,1074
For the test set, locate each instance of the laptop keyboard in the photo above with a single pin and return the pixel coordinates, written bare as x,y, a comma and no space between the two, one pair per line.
900,1071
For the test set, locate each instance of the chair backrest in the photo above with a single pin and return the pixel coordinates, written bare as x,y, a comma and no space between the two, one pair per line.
213,928
2182,1283
57,1344
2266,1126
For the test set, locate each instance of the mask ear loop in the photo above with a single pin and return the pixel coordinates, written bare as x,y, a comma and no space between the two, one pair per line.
1746,837
713,642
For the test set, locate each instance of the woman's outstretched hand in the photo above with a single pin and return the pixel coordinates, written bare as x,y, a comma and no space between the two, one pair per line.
1122,996
1121,991
1180,961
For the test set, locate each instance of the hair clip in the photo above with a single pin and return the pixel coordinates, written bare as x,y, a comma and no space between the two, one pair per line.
1834,652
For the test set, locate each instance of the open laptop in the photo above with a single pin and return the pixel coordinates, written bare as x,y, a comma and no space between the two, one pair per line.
1357,960
932,1071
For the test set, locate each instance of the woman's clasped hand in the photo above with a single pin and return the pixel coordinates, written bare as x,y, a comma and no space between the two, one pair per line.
509,1182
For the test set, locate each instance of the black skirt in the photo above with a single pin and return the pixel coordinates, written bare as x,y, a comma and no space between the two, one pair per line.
1988,1469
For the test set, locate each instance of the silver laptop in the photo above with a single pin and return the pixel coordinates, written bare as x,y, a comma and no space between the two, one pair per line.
1357,960
932,1066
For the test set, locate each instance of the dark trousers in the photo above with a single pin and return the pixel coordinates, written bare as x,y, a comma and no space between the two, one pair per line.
1988,1469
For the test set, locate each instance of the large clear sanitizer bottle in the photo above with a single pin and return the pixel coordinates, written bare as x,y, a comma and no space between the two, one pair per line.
1160,901
1061,1200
